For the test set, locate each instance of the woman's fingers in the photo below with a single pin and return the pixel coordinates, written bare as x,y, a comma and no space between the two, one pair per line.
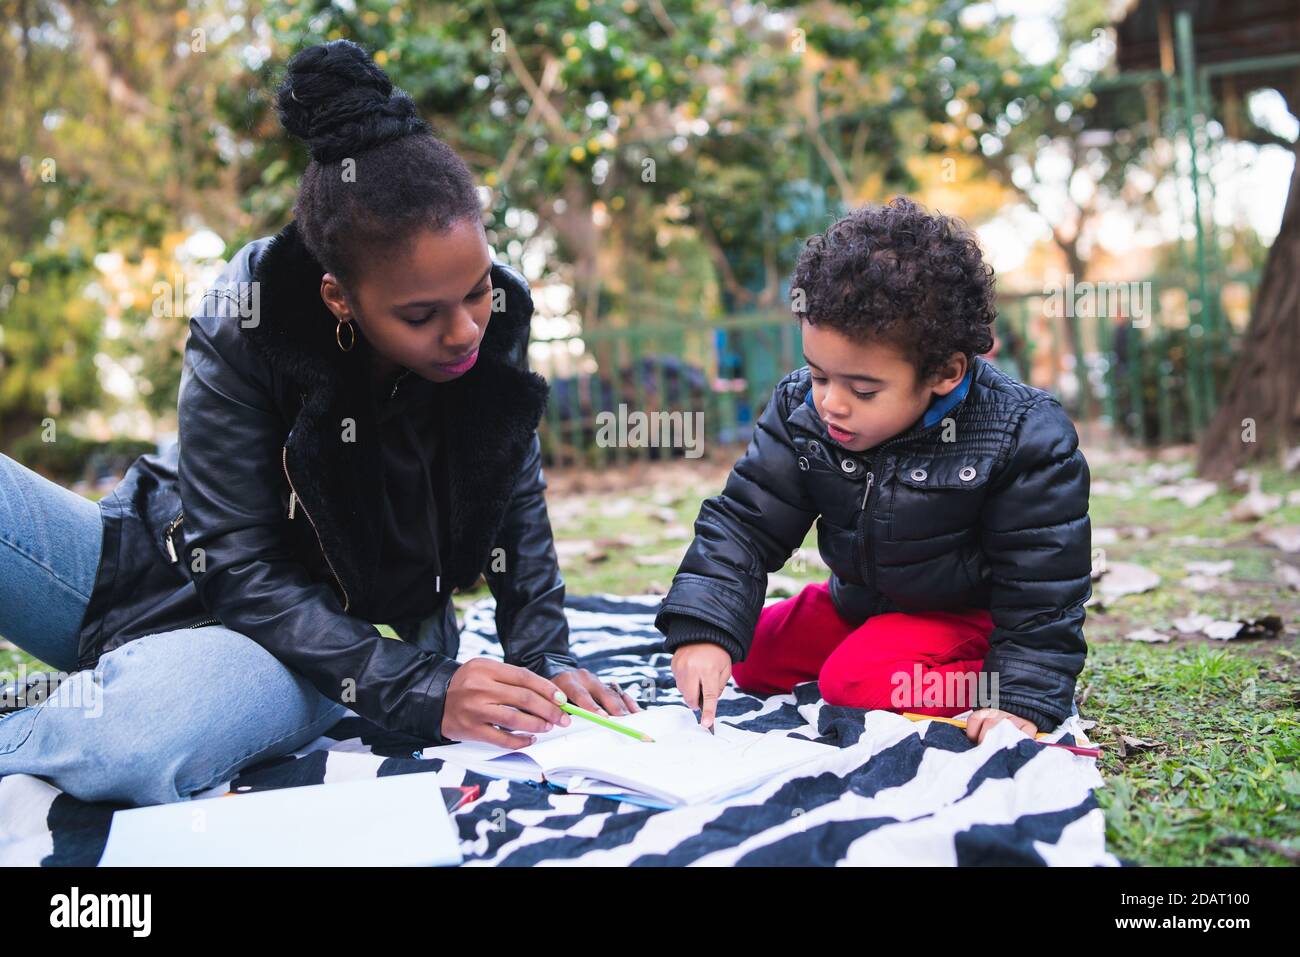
523,678
502,739
586,699
609,696
629,702
516,720
527,699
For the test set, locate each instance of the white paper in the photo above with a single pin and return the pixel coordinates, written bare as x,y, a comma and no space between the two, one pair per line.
684,765
396,820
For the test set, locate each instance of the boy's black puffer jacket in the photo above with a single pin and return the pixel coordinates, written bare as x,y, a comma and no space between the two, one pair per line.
986,508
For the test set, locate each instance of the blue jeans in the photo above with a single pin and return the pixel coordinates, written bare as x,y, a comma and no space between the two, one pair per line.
158,718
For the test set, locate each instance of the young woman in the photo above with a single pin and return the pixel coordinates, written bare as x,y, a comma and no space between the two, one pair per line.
357,439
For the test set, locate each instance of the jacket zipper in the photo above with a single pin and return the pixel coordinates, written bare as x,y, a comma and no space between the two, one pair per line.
864,517
171,550
169,532
864,530
294,497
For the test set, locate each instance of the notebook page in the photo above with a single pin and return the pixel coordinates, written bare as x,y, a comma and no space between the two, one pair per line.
684,765
517,764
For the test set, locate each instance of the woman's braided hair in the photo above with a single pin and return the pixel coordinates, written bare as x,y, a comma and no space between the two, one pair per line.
401,177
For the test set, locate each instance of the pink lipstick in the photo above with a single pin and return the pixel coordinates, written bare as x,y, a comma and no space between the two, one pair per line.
456,368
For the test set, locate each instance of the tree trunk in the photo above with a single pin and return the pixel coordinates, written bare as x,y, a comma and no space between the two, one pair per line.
1260,410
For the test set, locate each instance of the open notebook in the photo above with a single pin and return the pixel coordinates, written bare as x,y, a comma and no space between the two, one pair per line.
684,765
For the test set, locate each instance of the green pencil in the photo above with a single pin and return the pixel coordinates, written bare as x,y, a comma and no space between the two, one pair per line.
573,709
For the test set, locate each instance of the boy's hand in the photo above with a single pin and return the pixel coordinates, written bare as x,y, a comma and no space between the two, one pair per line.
979,723
702,669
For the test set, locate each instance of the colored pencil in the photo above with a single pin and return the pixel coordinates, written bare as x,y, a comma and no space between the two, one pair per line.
957,723
573,709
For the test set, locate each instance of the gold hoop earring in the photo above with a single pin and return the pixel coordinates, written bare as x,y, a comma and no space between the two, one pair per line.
338,336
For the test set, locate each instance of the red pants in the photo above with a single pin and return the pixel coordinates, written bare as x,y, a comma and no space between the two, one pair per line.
883,663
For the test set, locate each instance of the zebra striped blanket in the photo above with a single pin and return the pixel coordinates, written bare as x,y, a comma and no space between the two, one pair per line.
891,792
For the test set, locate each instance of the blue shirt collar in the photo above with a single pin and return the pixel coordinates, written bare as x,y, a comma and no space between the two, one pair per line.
939,406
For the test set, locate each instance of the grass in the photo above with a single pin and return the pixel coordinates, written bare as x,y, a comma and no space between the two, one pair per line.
1223,783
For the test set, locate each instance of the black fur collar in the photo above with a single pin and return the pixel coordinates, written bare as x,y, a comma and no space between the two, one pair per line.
486,421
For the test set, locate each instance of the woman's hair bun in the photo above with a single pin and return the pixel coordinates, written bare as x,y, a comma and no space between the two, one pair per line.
337,101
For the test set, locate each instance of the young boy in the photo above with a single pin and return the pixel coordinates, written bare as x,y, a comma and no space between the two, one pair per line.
951,502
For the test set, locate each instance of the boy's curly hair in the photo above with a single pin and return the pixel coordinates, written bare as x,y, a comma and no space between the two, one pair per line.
900,274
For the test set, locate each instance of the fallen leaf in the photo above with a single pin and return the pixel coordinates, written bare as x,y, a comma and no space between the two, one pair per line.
1131,745
663,558
673,533
1193,540
1118,579
1222,630
1288,575
1284,537
573,547
1192,623
1206,583
1162,472
1255,504
1109,536
626,541
1148,635
1111,489
618,508
1191,493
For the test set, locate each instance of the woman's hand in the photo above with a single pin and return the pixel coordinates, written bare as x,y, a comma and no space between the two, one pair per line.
586,691
484,694
979,723
702,669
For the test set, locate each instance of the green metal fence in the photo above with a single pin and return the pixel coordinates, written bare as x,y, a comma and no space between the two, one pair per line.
719,373
1153,378
1156,379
